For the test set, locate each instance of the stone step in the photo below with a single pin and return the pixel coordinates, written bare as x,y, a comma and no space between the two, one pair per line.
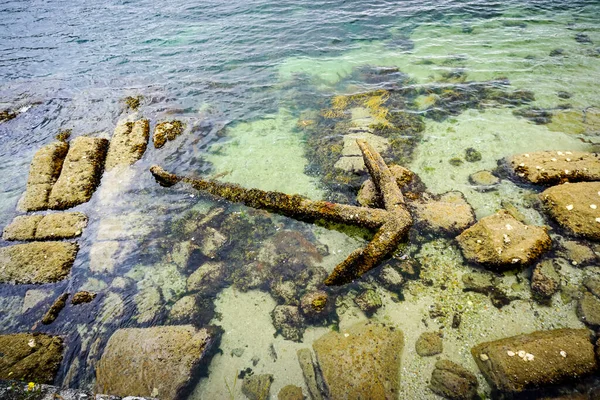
128,143
50,226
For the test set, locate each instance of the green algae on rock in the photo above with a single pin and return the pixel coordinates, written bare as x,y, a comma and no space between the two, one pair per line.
166,130
160,361
537,359
44,171
362,361
80,174
575,206
33,357
128,143
37,262
500,241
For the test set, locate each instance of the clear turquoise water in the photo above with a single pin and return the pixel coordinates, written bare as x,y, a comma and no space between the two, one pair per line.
243,75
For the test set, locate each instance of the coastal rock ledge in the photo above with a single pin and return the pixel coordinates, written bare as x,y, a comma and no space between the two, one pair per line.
502,242
551,167
153,362
362,362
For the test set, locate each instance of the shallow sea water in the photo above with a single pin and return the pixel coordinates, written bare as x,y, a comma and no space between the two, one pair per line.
249,79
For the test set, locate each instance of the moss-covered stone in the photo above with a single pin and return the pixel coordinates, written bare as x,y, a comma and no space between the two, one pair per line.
368,301
80,174
33,357
429,344
22,228
82,297
167,130
361,362
537,359
449,213
44,170
50,226
55,309
7,115
588,309
472,155
545,281
290,392
288,321
257,387
133,102
128,143
154,362
37,262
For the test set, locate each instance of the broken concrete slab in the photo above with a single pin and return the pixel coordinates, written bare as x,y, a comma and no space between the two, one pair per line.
37,262
128,143
362,361
50,226
576,207
80,174
32,357
167,130
537,359
160,361
44,170
550,167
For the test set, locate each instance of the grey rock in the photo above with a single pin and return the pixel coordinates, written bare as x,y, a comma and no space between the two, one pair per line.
288,321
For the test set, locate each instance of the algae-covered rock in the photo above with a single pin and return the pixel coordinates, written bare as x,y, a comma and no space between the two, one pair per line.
44,170
51,226
316,305
390,278
82,297
551,167
37,262
55,309
183,310
352,160
483,180
290,392
576,207
257,387
212,241
208,278
588,309
453,381
368,196
577,253
545,281
61,226
501,241
167,130
429,344
537,359
159,361
450,213
288,321
128,143
368,301
22,227
307,366
148,303
80,174
33,357
361,362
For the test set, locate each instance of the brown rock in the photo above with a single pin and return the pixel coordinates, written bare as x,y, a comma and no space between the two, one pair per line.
305,360
257,387
429,344
361,362
33,357
541,358
207,278
43,172
128,143
450,214
556,166
81,173
158,361
500,241
61,225
37,262
316,305
453,381
167,130
545,281
290,392
55,309
576,207
82,297
484,179
22,228
577,253
288,321
588,309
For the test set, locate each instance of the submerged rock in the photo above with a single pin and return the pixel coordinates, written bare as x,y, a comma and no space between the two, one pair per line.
208,278
368,301
159,361
33,357
167,130
450,214
368,196
500,241
290,392
37,262
307,366
184,309
429,344
453,381
390,278
128,143
55,309
80,174
257,387
50,226
22,228
588,309
361,362
545,281
288,321
575,207
577,253
316,305
82,297
352,160
43,172
148,303
534,360
484,180
34,297
550,167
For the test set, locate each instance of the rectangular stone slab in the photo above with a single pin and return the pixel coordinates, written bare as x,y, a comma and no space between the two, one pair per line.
37,262
157,362
32,357
81,173
43,172
50,226
128,143
541,358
